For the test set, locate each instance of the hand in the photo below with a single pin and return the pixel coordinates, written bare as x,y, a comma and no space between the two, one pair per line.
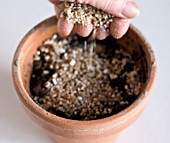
122,10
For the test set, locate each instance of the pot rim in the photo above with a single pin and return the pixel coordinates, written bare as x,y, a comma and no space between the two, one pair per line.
57,120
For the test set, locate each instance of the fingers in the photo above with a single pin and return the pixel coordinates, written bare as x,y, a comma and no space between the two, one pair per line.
130,10
119,27
83,30
64,27
101,34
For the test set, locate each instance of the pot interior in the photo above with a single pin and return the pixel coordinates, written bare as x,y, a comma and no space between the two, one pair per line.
132,42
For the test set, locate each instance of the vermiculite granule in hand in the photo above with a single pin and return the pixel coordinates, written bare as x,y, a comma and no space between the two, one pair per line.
85,14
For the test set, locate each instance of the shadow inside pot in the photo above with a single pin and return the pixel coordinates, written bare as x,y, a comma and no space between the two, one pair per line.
14,124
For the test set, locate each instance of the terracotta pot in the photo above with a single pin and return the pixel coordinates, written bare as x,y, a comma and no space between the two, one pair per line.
71,131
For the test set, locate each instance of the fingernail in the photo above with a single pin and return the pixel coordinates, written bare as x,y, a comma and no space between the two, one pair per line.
130,10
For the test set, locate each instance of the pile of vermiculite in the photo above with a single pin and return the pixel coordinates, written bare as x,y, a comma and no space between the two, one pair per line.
72,80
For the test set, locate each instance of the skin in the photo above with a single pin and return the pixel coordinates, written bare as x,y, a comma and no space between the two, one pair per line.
122,10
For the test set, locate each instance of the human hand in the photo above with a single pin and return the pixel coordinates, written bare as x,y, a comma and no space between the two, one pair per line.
122,10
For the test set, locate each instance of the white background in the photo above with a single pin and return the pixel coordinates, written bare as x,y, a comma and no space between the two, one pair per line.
18,16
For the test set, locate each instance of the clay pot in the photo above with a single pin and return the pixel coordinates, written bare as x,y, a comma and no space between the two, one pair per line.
70,131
